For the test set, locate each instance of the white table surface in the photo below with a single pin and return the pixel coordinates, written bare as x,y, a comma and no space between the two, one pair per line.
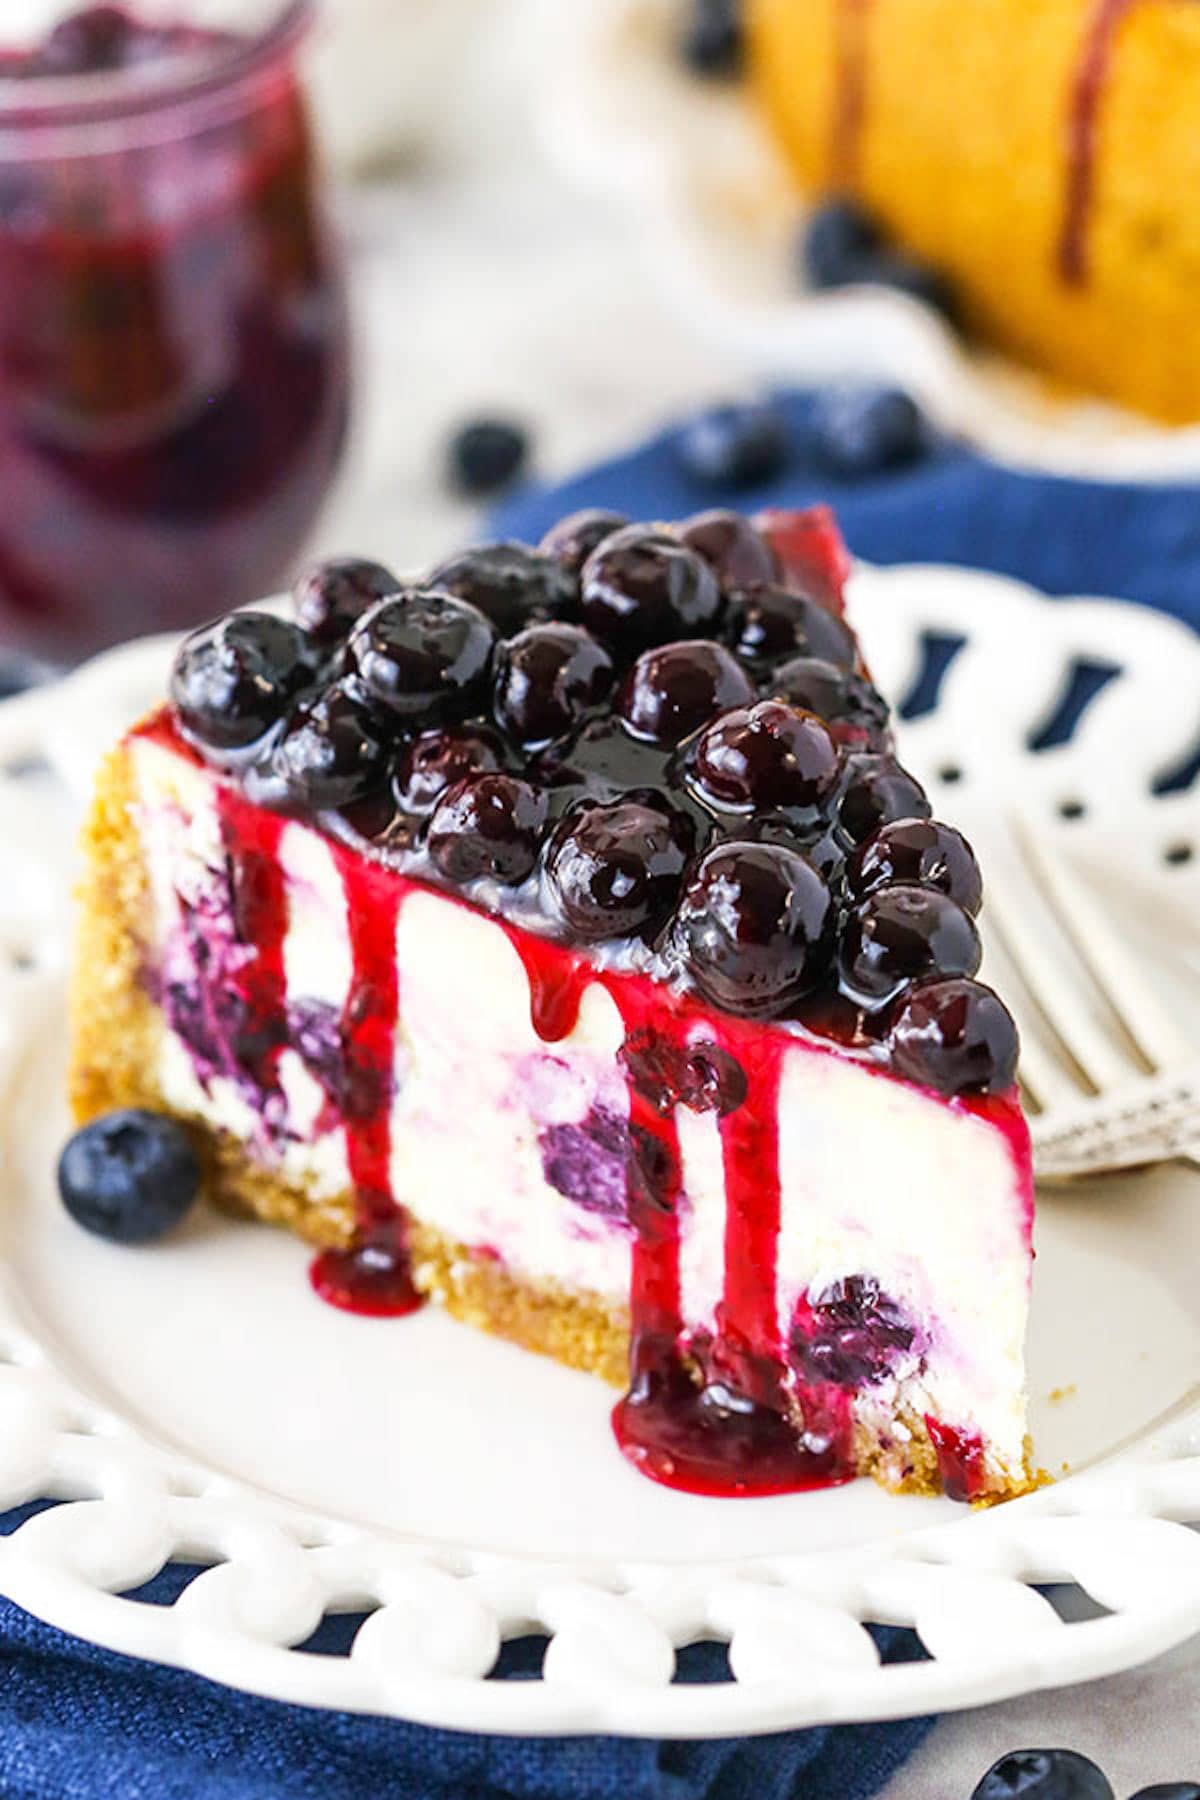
482,283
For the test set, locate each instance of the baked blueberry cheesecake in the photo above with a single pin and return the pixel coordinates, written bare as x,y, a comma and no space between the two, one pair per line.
558,938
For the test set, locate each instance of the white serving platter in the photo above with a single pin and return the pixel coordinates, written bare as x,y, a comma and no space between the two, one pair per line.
196,1401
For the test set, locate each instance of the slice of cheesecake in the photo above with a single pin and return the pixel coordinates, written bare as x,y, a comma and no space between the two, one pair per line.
559,939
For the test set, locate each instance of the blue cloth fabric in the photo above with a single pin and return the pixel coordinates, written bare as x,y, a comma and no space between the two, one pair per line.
77,1723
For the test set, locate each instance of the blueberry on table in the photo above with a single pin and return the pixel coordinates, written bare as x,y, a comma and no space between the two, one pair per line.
1044,1775
734,446
486,455
839,243
713,40
129,1176
232,680
863,430
332,596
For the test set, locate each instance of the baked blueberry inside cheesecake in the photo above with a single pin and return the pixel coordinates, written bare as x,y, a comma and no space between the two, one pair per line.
558,938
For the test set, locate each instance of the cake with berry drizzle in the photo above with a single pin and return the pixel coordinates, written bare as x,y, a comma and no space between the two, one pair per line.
558,938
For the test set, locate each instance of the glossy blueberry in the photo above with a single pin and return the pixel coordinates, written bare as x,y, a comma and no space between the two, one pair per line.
436,760
919,851
732,546
423,653
852,1336
486,455
487,825
839,243
234,679
901,934
853,709
754,928
573,539
546,679
511,584
1044,1775
766,756
878,791
642,587
863,430
733,446
673,690
956,1036
613,870
332,750
331,598
129,1176
713,40
768,624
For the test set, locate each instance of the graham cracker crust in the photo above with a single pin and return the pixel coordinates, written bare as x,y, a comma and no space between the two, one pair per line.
116,1032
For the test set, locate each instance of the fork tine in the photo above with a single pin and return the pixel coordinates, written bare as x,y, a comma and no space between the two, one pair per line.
1100,946
1056,992
1041,1070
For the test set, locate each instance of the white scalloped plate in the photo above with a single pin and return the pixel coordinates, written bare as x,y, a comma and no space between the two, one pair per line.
717,217
196,1401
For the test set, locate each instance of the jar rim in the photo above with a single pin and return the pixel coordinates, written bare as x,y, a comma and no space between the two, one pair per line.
63,102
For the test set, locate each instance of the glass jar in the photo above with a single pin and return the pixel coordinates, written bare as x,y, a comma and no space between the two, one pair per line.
173,346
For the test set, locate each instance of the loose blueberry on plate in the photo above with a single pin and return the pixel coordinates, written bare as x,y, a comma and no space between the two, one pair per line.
547,678
573,539
713,41
424,653
511,584
755,927
487,825
734,549
641,588
436,760
956,1036
734,446
839,244
486,455
233,680
331,598
919,851
765,756
768,624
671,691
863,430
1044,1775
332,750
900,934
877,792
130,1176
614,870
850,706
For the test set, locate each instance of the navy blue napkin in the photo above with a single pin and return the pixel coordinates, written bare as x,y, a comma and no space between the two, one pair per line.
77,1723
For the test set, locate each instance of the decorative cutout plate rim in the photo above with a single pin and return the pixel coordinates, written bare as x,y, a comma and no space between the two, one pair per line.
794,1622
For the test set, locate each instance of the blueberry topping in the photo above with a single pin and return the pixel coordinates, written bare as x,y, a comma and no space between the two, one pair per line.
899,935
547,678
838,696
573,539
670,692
768,624
331,752
955,1036
853,1334
878,791
839,243
712,43
860,431
234,679
738,554
766,756
486,455
130,1176
642,588
920,852
487,825
334,595
755,927
736,446
1044,1775
511,584
423,653
613,870
437,760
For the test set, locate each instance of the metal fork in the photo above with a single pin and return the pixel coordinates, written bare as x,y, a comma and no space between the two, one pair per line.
1110,1078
